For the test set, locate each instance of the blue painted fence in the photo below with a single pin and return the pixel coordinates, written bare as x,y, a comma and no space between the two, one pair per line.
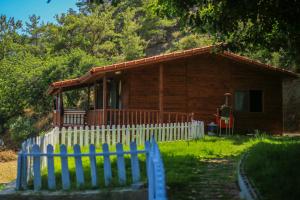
154,165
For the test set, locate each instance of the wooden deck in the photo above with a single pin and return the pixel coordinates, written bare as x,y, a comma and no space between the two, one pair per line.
99,117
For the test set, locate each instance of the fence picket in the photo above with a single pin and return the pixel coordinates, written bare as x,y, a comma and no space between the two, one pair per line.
19,172
65,174
123,134
147,148
147,132
86,136
159,132
106,165
75,138
128,135
37,181
135,168
97,135
93,164
118,134
69,134
103,134
170,132
78,166
132,136
121,164
50,168
108,135
92,135
113,136
63,135
81,136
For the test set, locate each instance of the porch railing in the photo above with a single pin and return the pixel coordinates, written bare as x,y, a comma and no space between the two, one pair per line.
119,117
74,117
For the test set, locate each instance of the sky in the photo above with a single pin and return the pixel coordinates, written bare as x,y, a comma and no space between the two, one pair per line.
22,9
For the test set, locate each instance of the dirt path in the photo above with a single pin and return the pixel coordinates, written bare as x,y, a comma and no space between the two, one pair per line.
8,171
213,179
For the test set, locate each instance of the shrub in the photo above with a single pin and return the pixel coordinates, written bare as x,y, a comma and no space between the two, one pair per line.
21,128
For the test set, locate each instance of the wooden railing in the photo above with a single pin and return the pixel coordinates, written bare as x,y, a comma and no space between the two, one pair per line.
119,117
74,117
135,116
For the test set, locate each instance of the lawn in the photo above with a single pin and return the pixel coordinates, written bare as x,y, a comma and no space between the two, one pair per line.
202,169
273,166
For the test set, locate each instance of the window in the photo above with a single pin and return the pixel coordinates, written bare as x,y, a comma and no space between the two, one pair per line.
248,101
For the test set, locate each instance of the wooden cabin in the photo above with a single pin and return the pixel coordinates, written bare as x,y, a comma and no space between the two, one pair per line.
177,87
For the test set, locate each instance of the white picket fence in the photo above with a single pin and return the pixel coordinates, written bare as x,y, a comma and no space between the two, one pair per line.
84,136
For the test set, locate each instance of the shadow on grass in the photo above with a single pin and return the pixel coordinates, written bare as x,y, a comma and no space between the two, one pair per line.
273,167
189,177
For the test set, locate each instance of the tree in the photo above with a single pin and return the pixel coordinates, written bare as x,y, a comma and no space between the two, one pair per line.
32,28
246,26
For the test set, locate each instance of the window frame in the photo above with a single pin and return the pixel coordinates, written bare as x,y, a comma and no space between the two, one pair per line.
248,95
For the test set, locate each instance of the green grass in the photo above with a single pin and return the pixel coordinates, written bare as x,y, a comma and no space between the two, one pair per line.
1,186
202,169
273,166
100,172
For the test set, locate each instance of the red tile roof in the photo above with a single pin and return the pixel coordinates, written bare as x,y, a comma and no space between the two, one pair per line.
157,59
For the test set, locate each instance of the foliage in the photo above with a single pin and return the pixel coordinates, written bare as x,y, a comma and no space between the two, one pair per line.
275,161
262,29
21,128
97,35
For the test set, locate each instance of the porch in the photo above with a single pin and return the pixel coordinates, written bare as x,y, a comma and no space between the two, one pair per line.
111,99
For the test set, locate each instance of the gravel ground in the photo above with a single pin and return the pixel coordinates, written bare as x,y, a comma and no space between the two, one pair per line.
8,166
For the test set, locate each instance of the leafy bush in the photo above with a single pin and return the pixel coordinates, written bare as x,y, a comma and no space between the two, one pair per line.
21,128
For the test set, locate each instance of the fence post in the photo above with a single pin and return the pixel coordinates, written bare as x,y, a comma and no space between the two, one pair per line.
37,181
19,171
121,164
50,166
93,166
24,167
65,174
107,165
135,168
69,135
78,166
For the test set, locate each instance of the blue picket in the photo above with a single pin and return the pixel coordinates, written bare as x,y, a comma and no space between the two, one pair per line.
93,164
78,166
135,168
50,166
65,174
151,182
37,181
154,165
107,165
121,164
147,149
19,172
24,170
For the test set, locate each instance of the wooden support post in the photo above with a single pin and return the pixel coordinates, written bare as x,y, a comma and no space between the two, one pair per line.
104,99
95,104
161,93
60,109
88,98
